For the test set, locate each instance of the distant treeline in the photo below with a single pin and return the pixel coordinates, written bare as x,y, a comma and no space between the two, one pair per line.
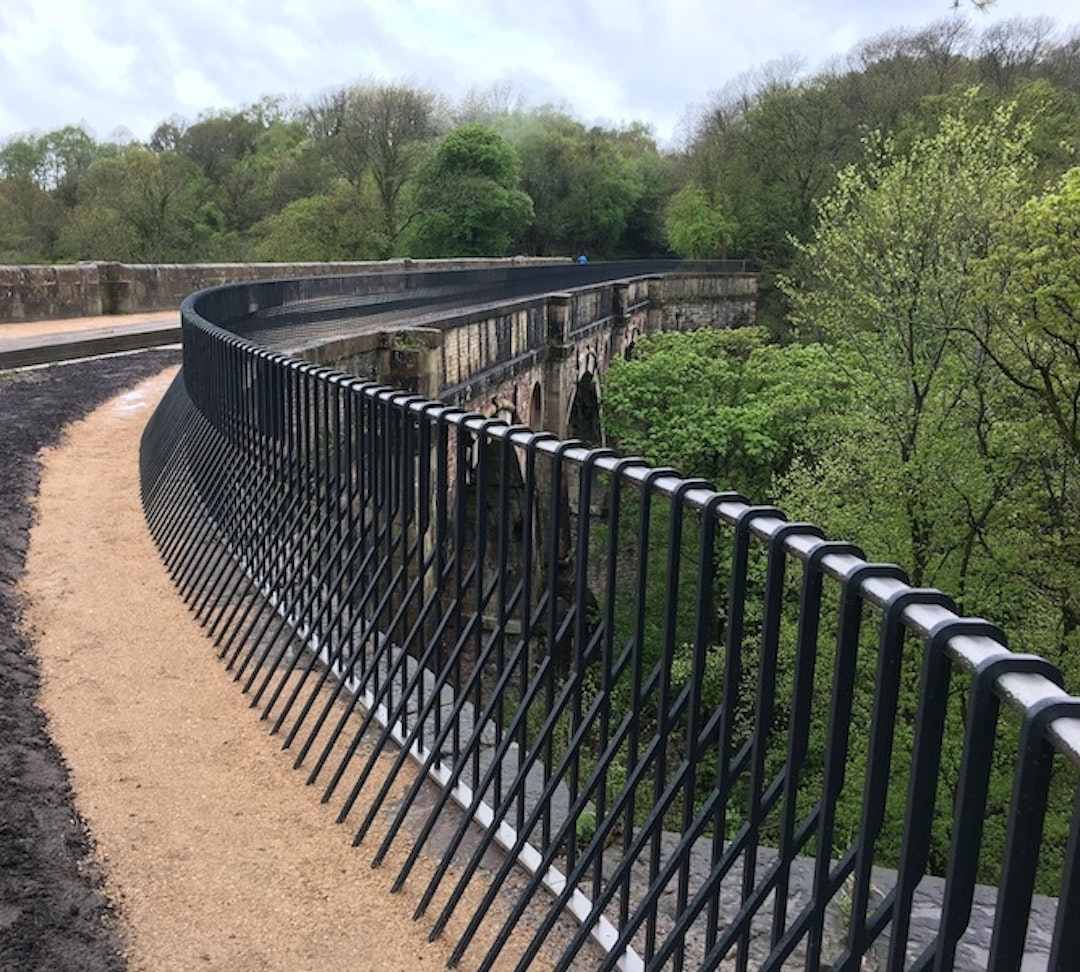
376,170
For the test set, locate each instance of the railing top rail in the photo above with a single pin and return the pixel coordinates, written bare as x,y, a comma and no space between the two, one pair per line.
1020,691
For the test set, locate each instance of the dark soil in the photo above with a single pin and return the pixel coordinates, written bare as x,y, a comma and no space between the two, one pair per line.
53,915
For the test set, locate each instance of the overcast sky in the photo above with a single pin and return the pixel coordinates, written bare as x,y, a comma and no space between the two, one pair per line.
131,64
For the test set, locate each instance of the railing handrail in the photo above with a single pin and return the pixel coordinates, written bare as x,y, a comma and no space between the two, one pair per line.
1026,685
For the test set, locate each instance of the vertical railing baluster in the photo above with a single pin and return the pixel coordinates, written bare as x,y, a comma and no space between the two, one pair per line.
1023,838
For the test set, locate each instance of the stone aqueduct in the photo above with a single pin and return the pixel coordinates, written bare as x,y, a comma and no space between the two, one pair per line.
533,357
312,479
537,360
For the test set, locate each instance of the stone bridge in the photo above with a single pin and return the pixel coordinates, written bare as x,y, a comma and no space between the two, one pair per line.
532,358
526,339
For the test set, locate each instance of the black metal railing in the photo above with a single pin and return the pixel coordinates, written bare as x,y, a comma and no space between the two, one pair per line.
689,719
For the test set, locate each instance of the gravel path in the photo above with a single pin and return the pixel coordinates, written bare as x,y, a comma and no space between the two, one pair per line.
148,822
53,914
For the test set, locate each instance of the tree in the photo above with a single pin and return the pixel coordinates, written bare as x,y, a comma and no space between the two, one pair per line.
696,228
1030,327
724,404
468,197
217,142
340,225
594,190
166,137
604,190
1011,49
765,155
888,282
943,465
378,132
490,105
21,158
891,73
544,147
137,207
1051,114
55,161
30,221
654,174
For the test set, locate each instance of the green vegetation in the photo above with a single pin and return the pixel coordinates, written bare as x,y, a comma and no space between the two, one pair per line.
696,228
726,405
367,171
919,397
469,203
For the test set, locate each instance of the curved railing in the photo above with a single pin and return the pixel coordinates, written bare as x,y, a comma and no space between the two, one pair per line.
672,707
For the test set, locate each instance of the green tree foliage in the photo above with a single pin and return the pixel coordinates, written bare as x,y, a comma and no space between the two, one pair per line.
468,197
892,73
220,148
381,133
941,287
696,228
138,207
1033,323
888,281
594,190
217,143
769,147
340,225
30,221
545,149
20,158
1030,329
653,175
765,152
54,160
603,192
727,405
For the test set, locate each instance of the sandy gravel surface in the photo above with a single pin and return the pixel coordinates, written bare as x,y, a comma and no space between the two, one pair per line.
213,851
20,330
52,913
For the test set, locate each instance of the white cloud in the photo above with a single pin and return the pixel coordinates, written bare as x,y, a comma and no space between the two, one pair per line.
135,63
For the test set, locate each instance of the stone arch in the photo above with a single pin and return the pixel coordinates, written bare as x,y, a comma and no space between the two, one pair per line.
493,477
536,408
633,335
584,419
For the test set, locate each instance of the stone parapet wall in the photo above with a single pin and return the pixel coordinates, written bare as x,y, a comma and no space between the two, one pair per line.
691,302
697,286
39,293
720,315
42,293
470,357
